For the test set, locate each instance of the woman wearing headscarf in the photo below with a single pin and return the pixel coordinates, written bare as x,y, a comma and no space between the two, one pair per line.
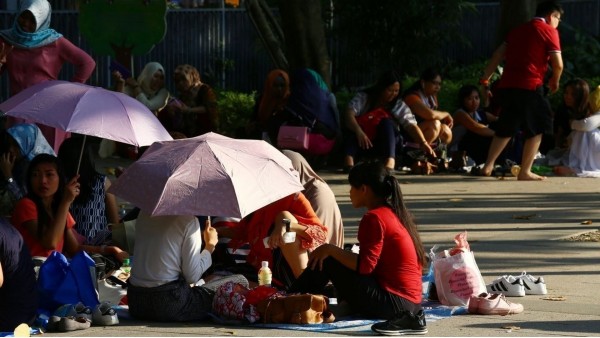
149,88
272,102
195,111
32,52
321,198
19,144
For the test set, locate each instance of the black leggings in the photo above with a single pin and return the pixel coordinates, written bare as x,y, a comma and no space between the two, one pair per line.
362,292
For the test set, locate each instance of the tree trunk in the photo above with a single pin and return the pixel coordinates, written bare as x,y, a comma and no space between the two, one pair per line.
512,14
306,46
268,31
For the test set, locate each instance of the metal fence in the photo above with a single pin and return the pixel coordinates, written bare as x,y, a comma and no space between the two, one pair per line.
207,37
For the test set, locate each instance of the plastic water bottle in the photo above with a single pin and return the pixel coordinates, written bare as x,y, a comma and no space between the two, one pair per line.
264,274
126,267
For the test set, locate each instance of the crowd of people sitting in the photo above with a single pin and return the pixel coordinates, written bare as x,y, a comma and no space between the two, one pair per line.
51,203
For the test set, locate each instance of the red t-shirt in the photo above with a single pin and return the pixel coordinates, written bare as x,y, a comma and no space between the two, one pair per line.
527,53
388,253
25,211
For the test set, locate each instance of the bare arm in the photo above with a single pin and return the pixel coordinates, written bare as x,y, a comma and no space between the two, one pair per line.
112,210
417,134
464,119
495,60
557,68
1,275
345,257
363,140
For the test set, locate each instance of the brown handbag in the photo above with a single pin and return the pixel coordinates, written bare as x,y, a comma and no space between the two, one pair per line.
296,309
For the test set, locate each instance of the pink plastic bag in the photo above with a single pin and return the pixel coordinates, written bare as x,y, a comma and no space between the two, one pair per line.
457,276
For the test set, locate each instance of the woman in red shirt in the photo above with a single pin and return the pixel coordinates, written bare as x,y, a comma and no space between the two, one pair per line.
384,279
43,218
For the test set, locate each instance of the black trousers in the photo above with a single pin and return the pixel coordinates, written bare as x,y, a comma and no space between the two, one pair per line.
362,292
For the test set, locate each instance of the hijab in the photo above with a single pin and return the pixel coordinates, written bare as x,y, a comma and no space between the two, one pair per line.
145,78
269,103
43,34
30,139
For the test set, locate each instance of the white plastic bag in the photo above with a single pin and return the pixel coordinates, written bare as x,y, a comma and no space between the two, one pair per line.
457,276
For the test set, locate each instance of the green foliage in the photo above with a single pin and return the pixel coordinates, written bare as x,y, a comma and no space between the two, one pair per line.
581,58
406,35
235,110
130,24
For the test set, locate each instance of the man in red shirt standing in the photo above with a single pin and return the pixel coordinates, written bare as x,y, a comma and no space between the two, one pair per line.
526,51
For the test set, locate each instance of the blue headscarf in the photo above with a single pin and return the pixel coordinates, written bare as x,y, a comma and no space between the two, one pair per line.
30,139
43,34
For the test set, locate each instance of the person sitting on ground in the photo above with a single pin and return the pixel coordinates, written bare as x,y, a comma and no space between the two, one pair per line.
149,88
379,138
18,288
93,209
421,98
195,110
42,216
166,278
384,279
19,144
287,260
269,107
583,156
471,132
321,198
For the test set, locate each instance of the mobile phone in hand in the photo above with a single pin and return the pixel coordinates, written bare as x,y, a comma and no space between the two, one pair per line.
114,65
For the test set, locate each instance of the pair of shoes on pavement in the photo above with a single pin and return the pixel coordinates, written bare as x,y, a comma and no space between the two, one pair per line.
407,323
518,286
102,315
493,304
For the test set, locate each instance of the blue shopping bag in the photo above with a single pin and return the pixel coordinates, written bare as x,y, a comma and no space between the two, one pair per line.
62,281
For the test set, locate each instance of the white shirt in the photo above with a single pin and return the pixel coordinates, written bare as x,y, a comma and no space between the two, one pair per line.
167,247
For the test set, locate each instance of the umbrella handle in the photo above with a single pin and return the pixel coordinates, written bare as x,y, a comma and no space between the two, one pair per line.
81,154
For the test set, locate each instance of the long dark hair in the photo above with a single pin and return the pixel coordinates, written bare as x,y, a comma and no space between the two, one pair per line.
68,154
385,80
384,185
581,93
43,216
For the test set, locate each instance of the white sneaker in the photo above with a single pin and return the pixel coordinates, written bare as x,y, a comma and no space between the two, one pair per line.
533,285
508,286
104,315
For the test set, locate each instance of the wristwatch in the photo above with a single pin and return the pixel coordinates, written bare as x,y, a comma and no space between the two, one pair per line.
10,180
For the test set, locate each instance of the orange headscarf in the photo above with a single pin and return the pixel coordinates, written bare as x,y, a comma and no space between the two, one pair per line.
269,103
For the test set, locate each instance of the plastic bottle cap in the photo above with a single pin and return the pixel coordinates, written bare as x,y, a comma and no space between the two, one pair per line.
264,264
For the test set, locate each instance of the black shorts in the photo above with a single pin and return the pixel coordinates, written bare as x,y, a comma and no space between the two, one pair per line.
525,110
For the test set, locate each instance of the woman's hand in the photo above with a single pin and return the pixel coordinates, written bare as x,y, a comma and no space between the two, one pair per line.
5,49
211,237
363,140
117,252
448,120
276,238
7,163
72,190
316,258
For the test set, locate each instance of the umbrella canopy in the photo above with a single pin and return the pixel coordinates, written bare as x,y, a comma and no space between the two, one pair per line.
87,110
209,175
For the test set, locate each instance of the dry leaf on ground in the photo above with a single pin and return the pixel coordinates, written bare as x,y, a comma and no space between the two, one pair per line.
555,298
587,221
511,327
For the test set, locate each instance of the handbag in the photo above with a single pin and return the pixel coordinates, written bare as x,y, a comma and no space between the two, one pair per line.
296,309
67,282
293,137
457,276
369,121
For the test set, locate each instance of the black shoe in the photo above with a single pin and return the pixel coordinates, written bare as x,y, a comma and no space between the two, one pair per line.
406,324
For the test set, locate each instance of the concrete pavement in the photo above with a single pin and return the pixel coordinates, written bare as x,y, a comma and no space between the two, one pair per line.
512,226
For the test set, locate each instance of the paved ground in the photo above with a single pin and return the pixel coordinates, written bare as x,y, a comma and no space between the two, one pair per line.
512,226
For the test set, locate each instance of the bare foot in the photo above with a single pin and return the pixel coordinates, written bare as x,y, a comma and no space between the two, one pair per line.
523,176
486,171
